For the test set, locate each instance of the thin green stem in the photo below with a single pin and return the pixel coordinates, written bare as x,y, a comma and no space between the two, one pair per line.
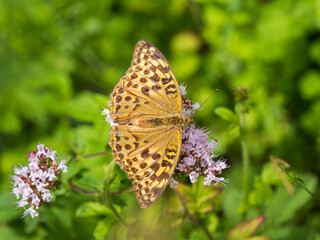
122,191
195,14
299,181
245,156
108,193
90,155
196,221
83,191
95,154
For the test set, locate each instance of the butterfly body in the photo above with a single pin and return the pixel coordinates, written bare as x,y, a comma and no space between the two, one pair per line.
177,120
146,107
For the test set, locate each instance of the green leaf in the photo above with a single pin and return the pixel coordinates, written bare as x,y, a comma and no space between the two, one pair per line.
291,232
197,235
89,209
90,183
234,129
11,233
83,107
310,85
31,224
8,210
118,200
64,216
270,175
226,114
49,218
205,199
213,222
185,191
261,194
102,228
232,201
126,182
245,229
283,205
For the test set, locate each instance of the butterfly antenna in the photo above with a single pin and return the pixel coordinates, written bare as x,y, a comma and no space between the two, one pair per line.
201,106
208,98
212,138
205,101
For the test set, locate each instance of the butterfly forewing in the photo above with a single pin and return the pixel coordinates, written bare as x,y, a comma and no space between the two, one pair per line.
148,62
148,154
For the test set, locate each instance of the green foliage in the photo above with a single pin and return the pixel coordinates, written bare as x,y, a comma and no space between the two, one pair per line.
228,115
284,205
89,209
59,61
198,198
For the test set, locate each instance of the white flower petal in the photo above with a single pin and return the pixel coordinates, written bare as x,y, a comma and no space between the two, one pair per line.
51,154
62,165
193,176
33,213
173,183
22,203
47,196
41,149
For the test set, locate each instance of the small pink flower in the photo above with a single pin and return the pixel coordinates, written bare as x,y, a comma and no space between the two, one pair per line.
41,150
51,154
189,160
47,196
42,175
193,176
51,174
35,200
33,213
22,203
39,185
62,165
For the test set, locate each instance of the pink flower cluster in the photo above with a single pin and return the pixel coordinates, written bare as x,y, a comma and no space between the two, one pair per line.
197,153
33,182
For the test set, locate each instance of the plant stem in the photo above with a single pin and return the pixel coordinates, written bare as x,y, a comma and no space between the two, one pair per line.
122,191
90,155
94,154
83,191
245,157
196,221
108,193
80,190
195,14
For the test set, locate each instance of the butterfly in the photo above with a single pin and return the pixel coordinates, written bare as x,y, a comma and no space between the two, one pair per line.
145,107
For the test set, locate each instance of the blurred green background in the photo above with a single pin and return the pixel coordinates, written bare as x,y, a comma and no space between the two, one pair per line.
60,59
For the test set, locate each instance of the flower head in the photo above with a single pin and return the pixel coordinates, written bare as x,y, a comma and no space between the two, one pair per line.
32,183
197,153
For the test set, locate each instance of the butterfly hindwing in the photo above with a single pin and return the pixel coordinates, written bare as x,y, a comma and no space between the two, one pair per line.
149,157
